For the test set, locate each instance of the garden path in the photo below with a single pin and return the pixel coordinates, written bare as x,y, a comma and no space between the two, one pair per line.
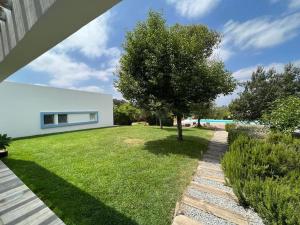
207,200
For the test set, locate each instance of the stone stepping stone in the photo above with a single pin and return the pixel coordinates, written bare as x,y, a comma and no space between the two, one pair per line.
215,210
214,191
184,220
211,177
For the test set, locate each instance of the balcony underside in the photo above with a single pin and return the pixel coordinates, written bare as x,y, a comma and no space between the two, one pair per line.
28,28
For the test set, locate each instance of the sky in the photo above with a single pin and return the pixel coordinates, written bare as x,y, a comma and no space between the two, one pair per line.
254,32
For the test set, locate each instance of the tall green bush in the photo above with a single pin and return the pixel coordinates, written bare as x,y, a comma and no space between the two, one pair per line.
285,115
125,114
265,174
4,141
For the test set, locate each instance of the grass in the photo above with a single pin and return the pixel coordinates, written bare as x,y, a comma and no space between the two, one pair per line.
120,175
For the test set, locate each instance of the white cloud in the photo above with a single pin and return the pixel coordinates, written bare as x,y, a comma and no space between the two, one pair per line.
91,88
292,4
194,8
222,53
261,32
66,72
245,73
91,40
116,94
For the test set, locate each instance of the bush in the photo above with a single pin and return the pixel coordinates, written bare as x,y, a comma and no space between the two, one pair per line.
125,114
254,131
121,118
4,141
265,174
153,120
230,126
285,115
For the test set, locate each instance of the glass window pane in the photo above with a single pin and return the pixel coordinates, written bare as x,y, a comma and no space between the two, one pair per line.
62,118
49,119
93,117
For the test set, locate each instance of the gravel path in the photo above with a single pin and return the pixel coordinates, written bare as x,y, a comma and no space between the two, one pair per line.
209,215
203,217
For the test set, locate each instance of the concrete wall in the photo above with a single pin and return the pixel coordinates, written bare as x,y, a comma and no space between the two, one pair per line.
22,105
28,28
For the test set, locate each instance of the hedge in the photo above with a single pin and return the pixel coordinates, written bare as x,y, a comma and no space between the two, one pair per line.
265,174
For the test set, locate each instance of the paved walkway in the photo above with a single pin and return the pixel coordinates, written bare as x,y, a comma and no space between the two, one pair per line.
19,205
207,200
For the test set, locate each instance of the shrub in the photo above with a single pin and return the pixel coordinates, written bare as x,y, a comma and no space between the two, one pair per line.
230,126
152,120
125,114
285,115
265,174
4,141
121,118
254,131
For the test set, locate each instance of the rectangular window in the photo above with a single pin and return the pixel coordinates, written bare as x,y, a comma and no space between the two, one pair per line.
48,119
93,116
62,118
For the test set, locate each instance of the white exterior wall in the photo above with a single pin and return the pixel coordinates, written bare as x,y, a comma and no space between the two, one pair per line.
22,104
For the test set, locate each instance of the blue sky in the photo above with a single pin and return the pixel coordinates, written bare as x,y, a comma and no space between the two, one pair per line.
255,32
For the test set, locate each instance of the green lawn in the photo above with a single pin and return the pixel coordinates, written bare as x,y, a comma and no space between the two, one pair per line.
120,175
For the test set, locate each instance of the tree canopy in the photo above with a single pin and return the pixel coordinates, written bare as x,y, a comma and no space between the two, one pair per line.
284,115
171,65
263,89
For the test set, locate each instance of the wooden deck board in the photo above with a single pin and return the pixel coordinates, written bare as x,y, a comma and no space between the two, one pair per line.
19,205
215,210
184,220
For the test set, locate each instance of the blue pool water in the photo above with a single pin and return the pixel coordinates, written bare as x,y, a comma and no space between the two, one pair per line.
216,121
213,121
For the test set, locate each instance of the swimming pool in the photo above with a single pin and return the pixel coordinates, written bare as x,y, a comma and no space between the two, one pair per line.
215,121
194,121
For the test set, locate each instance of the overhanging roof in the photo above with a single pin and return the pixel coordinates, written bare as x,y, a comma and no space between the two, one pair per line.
30,28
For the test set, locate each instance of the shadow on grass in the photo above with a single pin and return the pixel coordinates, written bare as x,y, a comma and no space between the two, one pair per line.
173,129
191,146
71,204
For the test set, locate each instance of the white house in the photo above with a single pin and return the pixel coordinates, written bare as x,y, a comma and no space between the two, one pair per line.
27,110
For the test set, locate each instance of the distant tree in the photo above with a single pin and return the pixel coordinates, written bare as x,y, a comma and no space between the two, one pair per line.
125,113
171,65
284,115
201,111
220,112
263,89
118,102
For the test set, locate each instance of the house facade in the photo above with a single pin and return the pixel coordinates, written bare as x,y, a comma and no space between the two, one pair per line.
28,110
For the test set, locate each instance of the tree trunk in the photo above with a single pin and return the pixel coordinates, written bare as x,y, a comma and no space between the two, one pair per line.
160,123
199,124
179,128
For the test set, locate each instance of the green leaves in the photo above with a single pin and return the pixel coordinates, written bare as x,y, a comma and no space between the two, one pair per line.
171,65
125,113
285,115
4,141
263,89
264,174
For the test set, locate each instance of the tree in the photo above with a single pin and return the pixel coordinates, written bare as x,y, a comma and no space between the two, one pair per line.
171,65
220,112
263,89
201,110
125,113
284,115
